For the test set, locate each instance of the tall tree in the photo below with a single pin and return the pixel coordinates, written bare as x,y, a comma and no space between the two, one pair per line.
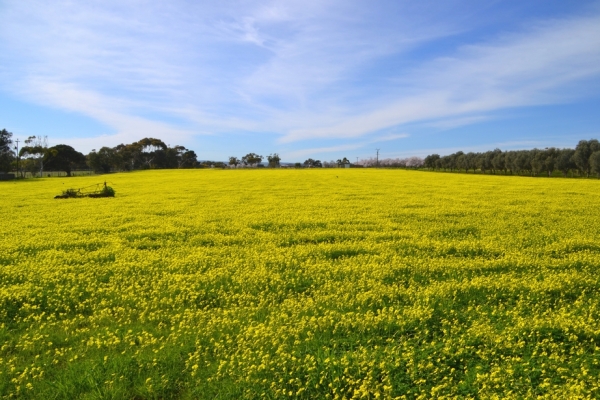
103,160
310,163
484,161
64,158
497,160
583,151
234,161
274,160
149,150
549,159
252,159
595,163
430,161
564,161
6,152
127,156
188,159
536,161
342,161
176,157
35,149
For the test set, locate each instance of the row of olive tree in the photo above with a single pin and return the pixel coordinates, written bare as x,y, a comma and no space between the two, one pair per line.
410,162
583,160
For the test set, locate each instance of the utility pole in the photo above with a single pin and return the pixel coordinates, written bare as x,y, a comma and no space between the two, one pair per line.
377,158
18,157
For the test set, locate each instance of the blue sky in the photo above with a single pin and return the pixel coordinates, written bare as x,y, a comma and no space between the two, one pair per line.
321,79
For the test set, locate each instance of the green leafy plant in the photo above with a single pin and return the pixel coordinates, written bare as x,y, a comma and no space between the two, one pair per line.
108,191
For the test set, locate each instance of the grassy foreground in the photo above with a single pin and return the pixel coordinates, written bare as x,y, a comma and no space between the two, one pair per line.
309,283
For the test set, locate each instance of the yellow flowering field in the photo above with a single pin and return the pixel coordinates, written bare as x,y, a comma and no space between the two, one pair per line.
327,283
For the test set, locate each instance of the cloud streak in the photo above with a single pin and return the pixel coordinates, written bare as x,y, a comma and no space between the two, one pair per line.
310,71
533,68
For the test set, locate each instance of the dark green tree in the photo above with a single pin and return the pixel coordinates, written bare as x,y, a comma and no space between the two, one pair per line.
583,151
341,162
63,157
549,158
274,160
127,156
564,161
252,159
188,159
176,157
234,161
536,161
311,163
595,163
498,161
484,161
6,151
430,161
151,152
103,160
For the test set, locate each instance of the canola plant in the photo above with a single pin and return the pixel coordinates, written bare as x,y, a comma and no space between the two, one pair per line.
339,284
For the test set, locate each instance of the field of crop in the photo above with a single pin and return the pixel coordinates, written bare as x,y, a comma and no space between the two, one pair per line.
303,283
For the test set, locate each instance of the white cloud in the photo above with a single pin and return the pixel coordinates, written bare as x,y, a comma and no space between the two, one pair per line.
306,70
333,150
533,68
450,123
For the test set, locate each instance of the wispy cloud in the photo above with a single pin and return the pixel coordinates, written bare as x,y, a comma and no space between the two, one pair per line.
531,68
345,147
299,71
450,123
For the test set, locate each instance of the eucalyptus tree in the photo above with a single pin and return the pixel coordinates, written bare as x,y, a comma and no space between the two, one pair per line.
150,150
35,149
64,158
177,157
252,159
6,152
341,161
103,160
274,160
234,161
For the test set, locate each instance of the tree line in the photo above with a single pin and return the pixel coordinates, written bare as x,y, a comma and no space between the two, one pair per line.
584,160
35,156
